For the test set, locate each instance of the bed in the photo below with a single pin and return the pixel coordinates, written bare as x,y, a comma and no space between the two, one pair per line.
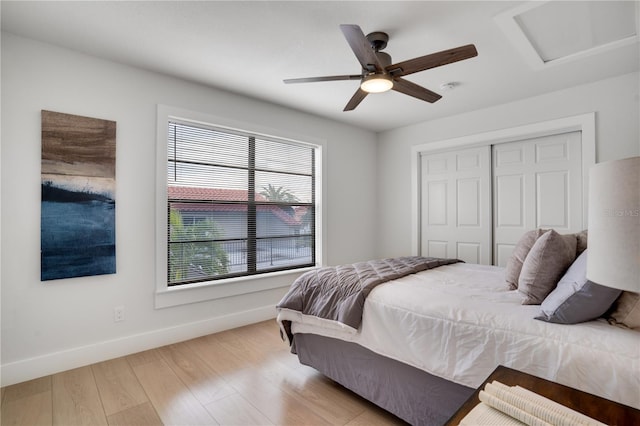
428,338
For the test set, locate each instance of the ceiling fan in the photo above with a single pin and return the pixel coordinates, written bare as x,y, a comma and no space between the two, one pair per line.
379,74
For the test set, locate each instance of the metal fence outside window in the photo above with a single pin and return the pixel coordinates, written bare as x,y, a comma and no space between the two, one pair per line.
270,252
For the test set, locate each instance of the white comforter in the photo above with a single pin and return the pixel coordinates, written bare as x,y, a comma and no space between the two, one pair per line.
460,321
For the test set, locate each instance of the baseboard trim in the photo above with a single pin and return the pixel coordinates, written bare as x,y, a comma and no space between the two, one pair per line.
44,365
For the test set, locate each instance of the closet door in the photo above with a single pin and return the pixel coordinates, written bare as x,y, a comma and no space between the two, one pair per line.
537,183
456,205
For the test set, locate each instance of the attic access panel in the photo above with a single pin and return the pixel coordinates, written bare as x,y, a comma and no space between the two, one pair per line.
548,33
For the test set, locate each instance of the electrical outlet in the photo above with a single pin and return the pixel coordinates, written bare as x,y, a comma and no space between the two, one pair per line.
118,314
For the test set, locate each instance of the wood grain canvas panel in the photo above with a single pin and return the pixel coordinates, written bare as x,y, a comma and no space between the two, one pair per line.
78,196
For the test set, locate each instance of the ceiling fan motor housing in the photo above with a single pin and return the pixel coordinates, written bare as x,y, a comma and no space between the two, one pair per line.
378,40
384,59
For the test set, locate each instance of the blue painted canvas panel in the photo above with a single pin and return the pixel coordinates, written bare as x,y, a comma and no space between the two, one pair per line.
78,196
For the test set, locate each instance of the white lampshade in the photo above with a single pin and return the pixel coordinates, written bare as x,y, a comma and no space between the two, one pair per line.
614,224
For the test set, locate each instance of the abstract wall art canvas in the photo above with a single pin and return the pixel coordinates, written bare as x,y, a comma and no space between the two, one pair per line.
78,223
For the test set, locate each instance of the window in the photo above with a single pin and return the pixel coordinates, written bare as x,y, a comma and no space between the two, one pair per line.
238,204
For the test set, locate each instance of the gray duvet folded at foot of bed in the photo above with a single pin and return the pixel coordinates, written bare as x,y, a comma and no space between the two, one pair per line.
338,292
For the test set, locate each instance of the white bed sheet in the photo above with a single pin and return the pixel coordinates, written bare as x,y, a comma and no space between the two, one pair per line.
460,321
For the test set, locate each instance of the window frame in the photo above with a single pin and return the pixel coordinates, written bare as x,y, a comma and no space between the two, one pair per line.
165,295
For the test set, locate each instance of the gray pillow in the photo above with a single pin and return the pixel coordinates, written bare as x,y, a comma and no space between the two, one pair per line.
582,237
576,299
545,264
626,311
522,248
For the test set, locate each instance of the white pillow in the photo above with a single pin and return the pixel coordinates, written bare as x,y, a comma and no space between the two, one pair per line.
576,299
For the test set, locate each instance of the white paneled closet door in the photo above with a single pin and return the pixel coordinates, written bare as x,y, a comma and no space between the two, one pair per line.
456,205
537,183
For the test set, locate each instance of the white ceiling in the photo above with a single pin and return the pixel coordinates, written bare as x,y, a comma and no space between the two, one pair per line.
249,47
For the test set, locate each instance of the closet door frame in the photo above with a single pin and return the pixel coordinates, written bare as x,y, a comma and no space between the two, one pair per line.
585,123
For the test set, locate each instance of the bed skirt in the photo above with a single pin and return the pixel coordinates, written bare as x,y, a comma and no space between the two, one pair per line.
411,394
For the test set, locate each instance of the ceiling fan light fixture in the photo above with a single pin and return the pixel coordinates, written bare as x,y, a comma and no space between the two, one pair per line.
376,83
379,74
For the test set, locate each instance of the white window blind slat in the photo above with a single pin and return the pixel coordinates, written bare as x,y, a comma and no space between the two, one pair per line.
238,204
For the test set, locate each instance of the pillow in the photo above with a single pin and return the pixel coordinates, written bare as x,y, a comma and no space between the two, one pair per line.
572,243
576,299
547,261
514,265
582,241
626,311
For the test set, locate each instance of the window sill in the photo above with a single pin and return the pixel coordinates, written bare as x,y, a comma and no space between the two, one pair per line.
200,292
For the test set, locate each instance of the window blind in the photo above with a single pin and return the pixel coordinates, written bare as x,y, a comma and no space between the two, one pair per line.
237,204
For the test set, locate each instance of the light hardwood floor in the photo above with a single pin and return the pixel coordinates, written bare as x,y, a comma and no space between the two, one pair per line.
244,376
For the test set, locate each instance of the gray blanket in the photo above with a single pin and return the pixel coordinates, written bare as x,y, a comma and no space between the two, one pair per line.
338,293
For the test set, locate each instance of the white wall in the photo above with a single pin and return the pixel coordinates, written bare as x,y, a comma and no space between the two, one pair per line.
55,325
615,102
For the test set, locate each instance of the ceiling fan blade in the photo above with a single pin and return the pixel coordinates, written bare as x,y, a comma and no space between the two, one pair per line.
361,47
327,78
355,100
408,88
432,60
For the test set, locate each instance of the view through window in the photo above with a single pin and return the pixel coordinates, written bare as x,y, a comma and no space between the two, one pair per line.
238,204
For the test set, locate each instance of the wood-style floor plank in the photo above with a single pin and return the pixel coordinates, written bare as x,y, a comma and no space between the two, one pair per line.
140,415
281,407
118,386
202,381
27,403
26,389
32,410
234,410
173,401
245,376
143,357
219,359
376,417
76,400
314,391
